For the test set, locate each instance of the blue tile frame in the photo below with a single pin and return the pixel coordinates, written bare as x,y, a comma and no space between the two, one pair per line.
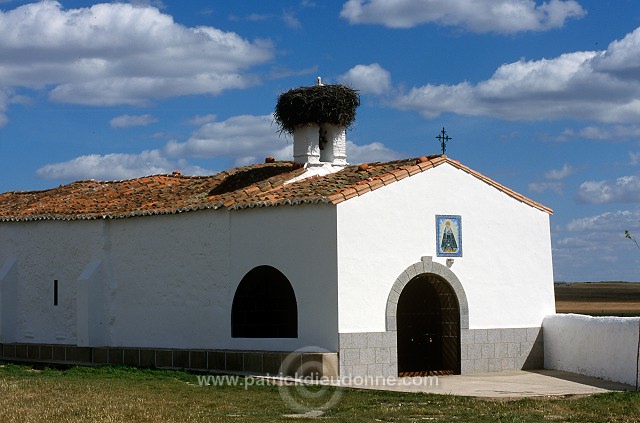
456,228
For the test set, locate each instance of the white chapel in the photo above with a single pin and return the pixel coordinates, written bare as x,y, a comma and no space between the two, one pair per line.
409,267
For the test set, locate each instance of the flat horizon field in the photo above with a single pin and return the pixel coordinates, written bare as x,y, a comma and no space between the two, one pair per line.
598,298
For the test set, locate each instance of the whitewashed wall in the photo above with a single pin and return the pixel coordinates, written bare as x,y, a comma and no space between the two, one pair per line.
174,277
168,280
44,252
506,268
604,347
300,242
165,281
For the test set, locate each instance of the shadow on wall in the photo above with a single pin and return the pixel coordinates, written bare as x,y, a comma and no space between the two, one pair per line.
535,358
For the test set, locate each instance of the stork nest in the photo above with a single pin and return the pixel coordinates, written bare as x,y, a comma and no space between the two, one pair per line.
335,104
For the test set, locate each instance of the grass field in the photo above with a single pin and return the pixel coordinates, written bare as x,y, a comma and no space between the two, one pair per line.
599,298
119,394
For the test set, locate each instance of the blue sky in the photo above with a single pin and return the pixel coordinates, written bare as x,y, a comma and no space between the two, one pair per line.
543,97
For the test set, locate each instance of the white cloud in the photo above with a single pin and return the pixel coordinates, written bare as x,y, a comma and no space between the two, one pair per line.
374,152
128,121
634,158
625,189
155,3
574,85
118,53
244,138
621,58
116,167
540,187
4,101
289,18
368,79
201,120
605,222
138,91
559,174
553,180
607,132
501,16
257,17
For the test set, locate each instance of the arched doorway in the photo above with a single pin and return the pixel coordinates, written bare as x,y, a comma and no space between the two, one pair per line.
428,324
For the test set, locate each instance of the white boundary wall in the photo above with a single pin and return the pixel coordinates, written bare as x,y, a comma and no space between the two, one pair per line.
604,347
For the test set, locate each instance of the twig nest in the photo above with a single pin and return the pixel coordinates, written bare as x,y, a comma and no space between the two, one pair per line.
335,104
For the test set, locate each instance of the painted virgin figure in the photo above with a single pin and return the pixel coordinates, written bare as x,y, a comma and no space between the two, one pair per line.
448,244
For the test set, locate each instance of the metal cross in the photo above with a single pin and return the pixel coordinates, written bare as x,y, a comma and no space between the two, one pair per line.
443,138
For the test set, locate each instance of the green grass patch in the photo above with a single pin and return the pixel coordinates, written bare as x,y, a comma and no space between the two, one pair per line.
130,394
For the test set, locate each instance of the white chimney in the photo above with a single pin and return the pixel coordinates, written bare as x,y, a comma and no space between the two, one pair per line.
317,145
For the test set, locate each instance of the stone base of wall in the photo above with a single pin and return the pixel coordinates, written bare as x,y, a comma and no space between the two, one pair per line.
251,362
496,350
368,354
371,354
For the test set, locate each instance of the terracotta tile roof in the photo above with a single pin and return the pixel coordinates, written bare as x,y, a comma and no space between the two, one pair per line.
260,185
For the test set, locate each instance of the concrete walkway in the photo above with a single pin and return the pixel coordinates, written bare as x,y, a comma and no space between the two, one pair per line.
512,384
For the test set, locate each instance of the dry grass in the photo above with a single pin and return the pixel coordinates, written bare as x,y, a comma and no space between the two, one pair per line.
119,394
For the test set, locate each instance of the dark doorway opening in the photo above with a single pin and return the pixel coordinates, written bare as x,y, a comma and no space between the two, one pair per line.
428,321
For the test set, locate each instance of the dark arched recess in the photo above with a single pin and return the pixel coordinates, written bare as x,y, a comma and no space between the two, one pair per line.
264,306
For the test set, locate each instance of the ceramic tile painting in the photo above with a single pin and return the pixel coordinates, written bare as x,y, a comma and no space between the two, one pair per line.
449,236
